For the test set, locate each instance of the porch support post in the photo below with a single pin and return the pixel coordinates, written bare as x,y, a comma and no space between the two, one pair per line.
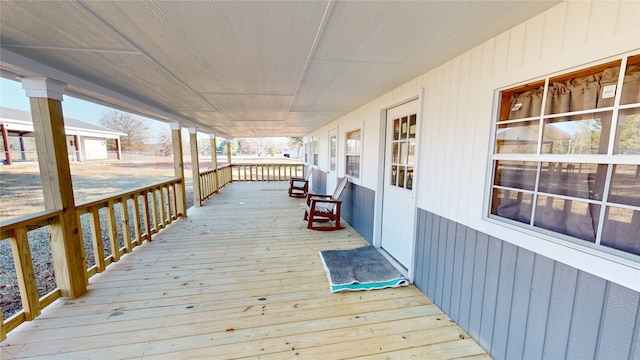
178,169
23,154
118,148
76,144
5,142
195,166
228,153
53,159
214,160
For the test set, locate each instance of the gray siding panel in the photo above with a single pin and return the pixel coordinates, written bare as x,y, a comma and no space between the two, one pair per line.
560,311
617,330
490,292
467,277
448,266
478,286
587,316
504,300
319,182
456,281
538,307
358,206
520,305
433,255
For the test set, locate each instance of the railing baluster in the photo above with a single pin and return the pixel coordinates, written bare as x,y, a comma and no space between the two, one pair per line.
126,229
25,273
161,208
154,211
146,214
113,231
137,226
96,238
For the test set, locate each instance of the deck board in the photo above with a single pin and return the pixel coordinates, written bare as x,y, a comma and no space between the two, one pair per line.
239,278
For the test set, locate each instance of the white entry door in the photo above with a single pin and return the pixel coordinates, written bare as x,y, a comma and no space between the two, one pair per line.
398,213
332,179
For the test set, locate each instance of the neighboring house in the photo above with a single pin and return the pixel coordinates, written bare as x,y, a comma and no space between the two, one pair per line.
85,141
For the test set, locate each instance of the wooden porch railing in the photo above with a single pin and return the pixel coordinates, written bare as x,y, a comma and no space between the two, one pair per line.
266,172
141,213
213,180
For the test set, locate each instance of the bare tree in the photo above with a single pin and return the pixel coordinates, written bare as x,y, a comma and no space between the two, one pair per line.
135,128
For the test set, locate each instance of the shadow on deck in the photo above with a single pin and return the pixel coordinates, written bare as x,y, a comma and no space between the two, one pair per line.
239,278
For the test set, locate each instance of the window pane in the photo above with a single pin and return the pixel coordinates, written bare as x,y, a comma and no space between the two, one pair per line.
517,138
631,85
394,175
512,205
516,174
571,217
404,128
589,91
396,153
401,172
353,165
412,127
628,133
403,152
625,185
396,129
409,178
621,229
581,134
412,149
573,179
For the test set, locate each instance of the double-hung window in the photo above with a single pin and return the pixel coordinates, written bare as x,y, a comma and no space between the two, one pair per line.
566,156
353,150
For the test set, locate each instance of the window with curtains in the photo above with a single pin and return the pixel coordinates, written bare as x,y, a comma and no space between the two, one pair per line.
315,152
566,156
353,149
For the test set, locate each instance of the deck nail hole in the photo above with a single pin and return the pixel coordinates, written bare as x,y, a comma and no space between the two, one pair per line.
190,307
262,299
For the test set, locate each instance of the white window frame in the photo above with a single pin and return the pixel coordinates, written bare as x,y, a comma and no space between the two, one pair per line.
608,159
348,154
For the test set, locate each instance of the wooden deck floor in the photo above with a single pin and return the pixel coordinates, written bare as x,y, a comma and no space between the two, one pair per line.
239,278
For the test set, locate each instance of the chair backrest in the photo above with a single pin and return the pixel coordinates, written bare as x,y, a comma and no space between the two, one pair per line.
342,184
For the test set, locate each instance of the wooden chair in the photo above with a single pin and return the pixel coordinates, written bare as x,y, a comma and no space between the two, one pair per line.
299,187
325,208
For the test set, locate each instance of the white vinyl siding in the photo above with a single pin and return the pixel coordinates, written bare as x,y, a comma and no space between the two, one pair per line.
458,106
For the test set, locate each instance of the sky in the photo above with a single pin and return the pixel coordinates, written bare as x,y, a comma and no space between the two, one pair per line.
13,96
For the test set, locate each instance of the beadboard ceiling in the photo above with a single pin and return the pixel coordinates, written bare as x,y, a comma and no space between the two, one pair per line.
243,68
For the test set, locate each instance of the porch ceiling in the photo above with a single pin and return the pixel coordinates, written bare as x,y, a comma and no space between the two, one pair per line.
243,69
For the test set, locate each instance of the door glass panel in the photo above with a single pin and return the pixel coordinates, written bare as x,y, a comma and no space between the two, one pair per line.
404,129
403,152
396,155
396,129
409,178
412,148
394,175
412,127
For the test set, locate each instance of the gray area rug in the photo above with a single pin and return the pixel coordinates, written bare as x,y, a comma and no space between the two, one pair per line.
362,268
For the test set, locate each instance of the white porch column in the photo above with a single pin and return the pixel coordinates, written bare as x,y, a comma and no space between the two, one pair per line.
178,168
53,158
195,166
